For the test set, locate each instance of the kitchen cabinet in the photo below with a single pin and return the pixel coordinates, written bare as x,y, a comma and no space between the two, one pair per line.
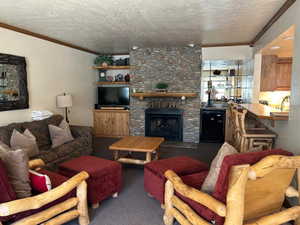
275,73
284,73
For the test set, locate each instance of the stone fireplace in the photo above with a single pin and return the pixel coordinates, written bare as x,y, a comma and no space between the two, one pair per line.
179,67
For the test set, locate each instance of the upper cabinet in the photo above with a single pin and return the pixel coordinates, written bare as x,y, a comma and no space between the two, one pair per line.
275,73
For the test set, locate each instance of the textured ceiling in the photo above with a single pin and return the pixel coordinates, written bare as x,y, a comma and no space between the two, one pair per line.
116,25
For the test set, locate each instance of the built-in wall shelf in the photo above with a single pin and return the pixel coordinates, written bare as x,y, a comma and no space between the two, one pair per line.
113,67
142,95
112,82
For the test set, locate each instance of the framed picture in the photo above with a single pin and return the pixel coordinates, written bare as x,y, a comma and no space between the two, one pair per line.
13,83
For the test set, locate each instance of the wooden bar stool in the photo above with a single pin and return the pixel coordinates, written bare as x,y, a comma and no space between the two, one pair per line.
251,138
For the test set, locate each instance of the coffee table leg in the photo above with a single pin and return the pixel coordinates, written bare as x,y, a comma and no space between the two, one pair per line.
148,157
116,155
156,155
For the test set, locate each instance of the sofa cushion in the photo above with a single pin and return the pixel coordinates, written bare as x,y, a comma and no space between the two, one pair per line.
47,156
195,180
25,141
211,179
16,165
69,147
181,165
7,192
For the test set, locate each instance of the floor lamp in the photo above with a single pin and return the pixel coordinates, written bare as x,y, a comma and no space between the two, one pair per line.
64,101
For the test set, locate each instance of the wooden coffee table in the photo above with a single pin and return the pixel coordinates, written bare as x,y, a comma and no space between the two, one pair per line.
148,145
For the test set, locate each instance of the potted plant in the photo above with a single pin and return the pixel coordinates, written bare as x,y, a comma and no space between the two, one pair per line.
161,87
104,60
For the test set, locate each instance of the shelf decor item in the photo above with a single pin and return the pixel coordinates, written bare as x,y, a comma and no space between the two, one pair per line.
119,77
161,87
102,75
127,77
104,60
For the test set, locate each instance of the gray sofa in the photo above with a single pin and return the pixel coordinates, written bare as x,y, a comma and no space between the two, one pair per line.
81,145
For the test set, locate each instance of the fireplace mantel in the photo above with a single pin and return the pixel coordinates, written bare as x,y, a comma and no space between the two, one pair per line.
142,95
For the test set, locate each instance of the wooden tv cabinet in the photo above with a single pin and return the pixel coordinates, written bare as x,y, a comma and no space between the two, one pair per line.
111,122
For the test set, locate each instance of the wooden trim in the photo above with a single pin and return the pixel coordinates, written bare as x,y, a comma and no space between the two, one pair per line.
225,44
113,67
142,95
278,14
112,83
46,38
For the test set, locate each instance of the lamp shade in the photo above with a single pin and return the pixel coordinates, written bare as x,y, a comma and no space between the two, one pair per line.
64,101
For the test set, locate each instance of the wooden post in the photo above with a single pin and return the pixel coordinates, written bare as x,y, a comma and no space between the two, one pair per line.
82,207
169,192
95,205
236,195
116,155
148,157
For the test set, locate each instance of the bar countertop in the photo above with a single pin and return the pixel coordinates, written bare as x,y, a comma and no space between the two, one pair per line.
264,112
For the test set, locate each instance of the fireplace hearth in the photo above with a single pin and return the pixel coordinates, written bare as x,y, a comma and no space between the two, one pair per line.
164,122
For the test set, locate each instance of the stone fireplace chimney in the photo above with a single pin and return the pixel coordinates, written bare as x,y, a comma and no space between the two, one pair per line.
180,68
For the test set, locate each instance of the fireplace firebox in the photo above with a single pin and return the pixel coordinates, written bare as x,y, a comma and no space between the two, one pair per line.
164,122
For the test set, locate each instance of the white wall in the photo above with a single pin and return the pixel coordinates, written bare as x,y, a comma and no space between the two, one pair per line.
288,131
51,70
227,53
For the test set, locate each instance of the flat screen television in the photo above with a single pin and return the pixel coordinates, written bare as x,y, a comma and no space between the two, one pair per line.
113,96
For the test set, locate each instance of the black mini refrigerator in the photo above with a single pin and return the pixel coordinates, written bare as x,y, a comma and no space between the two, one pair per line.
212,125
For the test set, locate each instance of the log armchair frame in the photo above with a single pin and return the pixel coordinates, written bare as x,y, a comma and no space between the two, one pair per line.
75,207
244,205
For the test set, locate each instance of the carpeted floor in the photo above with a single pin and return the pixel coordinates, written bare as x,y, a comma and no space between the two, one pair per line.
133,206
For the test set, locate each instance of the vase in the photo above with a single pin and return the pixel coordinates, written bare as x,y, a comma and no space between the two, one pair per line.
104,64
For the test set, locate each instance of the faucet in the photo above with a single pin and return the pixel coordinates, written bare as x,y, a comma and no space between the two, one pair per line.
284,100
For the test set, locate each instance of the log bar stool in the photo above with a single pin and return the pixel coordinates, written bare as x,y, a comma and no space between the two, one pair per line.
251,138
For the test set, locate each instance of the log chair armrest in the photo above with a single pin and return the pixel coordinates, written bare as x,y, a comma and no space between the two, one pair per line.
278,218
196,195
35,202
36,163
272,162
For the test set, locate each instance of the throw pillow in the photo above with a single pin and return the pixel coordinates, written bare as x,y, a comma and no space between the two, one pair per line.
16,165
60,135
26,141
213,174
39,182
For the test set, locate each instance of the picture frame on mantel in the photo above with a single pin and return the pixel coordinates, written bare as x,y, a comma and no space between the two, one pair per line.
13,83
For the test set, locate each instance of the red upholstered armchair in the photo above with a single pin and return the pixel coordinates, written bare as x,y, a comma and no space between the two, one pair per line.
250,187
66,201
